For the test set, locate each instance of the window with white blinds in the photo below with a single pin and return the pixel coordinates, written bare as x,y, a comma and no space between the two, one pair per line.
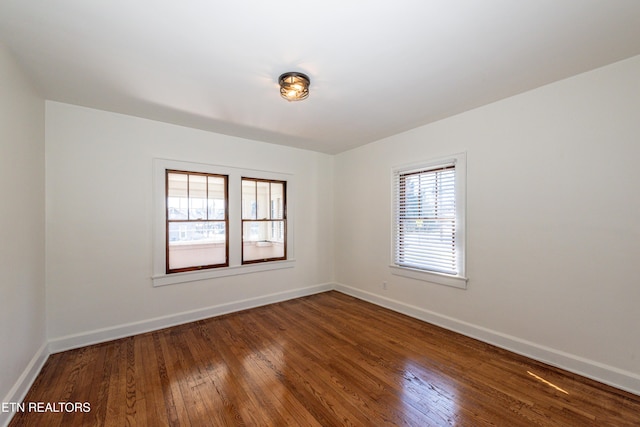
428,217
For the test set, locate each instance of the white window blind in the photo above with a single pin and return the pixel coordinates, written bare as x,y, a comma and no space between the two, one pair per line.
425,219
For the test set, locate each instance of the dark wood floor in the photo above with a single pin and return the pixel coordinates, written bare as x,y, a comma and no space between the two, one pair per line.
323,360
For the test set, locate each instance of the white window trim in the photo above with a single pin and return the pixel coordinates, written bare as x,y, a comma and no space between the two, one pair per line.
160,277
460,280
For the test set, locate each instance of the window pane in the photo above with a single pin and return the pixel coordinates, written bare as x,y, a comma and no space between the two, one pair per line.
194,244
248,199
254,231
197,231
216,198
262,240
277,200
177,200
177,184
263,192
197,197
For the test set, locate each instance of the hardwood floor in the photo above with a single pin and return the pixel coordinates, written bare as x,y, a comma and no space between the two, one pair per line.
324,360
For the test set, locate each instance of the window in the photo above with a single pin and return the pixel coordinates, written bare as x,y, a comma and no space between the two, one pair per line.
429,221
197,223
264,221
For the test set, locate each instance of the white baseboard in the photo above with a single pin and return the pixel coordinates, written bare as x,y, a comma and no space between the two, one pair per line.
615,377
624,380
56,345
24,382
69,342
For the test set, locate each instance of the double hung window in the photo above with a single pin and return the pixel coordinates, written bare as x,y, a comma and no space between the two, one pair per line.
197,221
214,221
264,220
429,221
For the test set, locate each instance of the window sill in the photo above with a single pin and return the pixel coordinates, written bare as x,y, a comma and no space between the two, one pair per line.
429,276
192,276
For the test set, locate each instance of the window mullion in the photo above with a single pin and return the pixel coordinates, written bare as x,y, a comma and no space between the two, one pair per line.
188,197
255,189
206,197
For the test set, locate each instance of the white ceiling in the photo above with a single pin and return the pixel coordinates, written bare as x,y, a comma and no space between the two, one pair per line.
377,67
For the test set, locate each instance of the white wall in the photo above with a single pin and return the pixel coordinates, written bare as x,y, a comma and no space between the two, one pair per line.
553,223
99,173
22,274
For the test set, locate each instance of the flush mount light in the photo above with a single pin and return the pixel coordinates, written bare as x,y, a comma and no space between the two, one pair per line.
294,86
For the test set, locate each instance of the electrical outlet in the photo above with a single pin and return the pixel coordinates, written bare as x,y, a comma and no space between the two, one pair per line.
384,285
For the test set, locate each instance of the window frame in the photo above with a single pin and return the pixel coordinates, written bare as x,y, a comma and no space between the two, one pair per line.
168,221
283,220
159,277
458,280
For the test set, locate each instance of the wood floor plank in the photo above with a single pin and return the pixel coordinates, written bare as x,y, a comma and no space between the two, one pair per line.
150,371
172,399
323,360
98,388
187,376
116,399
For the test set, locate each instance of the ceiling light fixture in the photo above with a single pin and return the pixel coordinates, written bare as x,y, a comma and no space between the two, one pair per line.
294,86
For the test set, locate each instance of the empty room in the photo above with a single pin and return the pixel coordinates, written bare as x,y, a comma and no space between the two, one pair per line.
420,213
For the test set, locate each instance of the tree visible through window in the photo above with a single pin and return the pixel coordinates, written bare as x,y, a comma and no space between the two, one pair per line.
197,221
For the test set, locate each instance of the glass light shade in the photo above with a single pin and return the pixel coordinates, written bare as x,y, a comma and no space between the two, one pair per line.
294,86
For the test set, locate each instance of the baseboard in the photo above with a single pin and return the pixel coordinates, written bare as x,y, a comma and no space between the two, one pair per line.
69,342
24,382
615,377
621,379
